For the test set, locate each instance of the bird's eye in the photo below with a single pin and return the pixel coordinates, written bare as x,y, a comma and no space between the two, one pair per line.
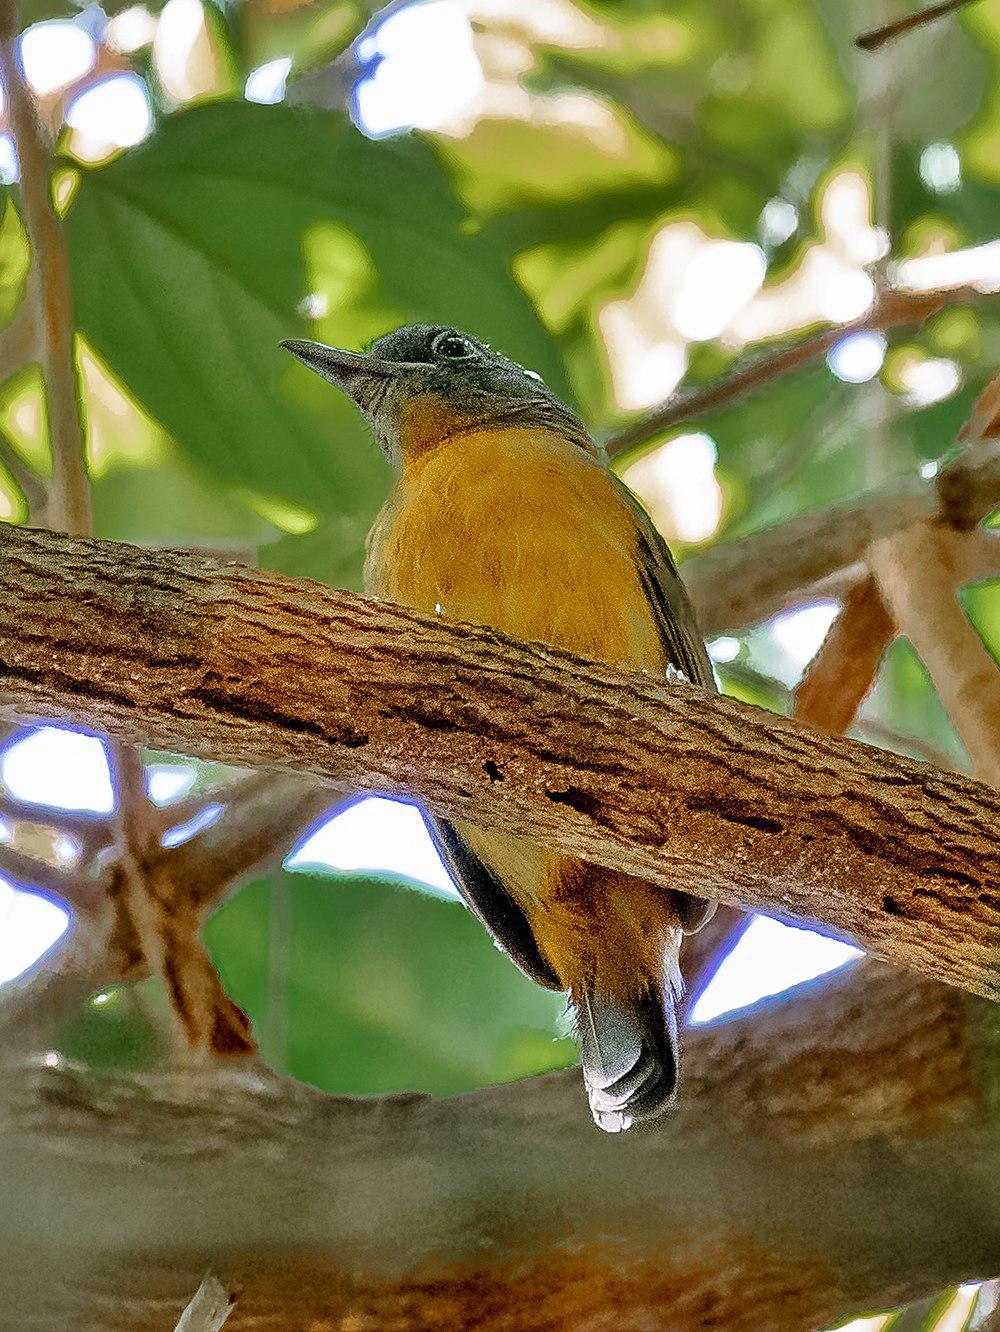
453,347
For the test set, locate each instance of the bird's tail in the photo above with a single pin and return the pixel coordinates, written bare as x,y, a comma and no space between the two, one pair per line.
628,1046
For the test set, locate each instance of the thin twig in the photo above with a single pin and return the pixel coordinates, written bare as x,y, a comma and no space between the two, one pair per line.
878,37
70,508
28,872
984,420
893,309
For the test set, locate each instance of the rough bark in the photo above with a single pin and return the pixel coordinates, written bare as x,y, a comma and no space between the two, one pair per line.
684,789
834,1151
739,583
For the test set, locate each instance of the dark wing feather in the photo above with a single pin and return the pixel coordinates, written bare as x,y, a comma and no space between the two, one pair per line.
683,646
490,902
682,642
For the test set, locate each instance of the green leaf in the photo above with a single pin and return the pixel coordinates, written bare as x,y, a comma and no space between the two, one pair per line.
192,254
387,988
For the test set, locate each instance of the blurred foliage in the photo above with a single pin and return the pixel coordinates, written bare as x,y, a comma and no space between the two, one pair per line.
385,988
602,124
388,988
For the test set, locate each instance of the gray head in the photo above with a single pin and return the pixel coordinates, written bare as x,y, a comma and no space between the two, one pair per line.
422,384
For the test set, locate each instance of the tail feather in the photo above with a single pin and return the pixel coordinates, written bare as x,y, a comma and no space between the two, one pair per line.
629,1054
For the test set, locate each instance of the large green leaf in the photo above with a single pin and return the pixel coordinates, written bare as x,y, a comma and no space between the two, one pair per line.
386,988
192,255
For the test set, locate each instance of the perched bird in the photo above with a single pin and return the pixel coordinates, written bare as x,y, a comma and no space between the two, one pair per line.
504,513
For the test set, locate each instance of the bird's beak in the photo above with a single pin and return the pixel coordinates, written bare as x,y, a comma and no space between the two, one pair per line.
360,376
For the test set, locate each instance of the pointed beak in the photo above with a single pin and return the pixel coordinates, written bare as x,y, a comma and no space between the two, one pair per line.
360,376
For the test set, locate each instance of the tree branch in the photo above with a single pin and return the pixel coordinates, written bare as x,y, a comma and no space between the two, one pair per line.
913,571
841,675
893,309
739,583
264,824
70,507
692,791
834,1151
878,37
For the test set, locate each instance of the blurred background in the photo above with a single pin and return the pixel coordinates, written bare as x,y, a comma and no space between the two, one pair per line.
628,198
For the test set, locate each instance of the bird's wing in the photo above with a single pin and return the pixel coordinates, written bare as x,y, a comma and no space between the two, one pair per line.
683,647
680,636
488,900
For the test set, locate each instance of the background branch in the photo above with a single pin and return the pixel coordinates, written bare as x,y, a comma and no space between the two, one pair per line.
841,675
878,37
914,574
739,583
834,1150
893,309
70,503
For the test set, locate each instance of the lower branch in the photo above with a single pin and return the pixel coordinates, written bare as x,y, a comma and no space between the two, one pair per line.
835,1151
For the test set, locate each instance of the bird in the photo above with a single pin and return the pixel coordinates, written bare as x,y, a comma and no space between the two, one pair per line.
505,513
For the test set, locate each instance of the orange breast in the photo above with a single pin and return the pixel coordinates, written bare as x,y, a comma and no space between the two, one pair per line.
522,531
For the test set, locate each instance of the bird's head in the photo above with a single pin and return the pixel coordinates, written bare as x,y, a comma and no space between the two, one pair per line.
427,383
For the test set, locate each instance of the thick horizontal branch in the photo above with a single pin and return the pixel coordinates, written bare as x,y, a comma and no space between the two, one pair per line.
833,1152
739,583
678,787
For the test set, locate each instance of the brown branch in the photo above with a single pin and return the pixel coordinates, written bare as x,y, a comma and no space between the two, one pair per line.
26,871
90,830
893,309
739,583
836,1150
94,832
656,779
261,826
842,673
968,489
70,507
984,420
914,575
973,556
156,912
878,37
